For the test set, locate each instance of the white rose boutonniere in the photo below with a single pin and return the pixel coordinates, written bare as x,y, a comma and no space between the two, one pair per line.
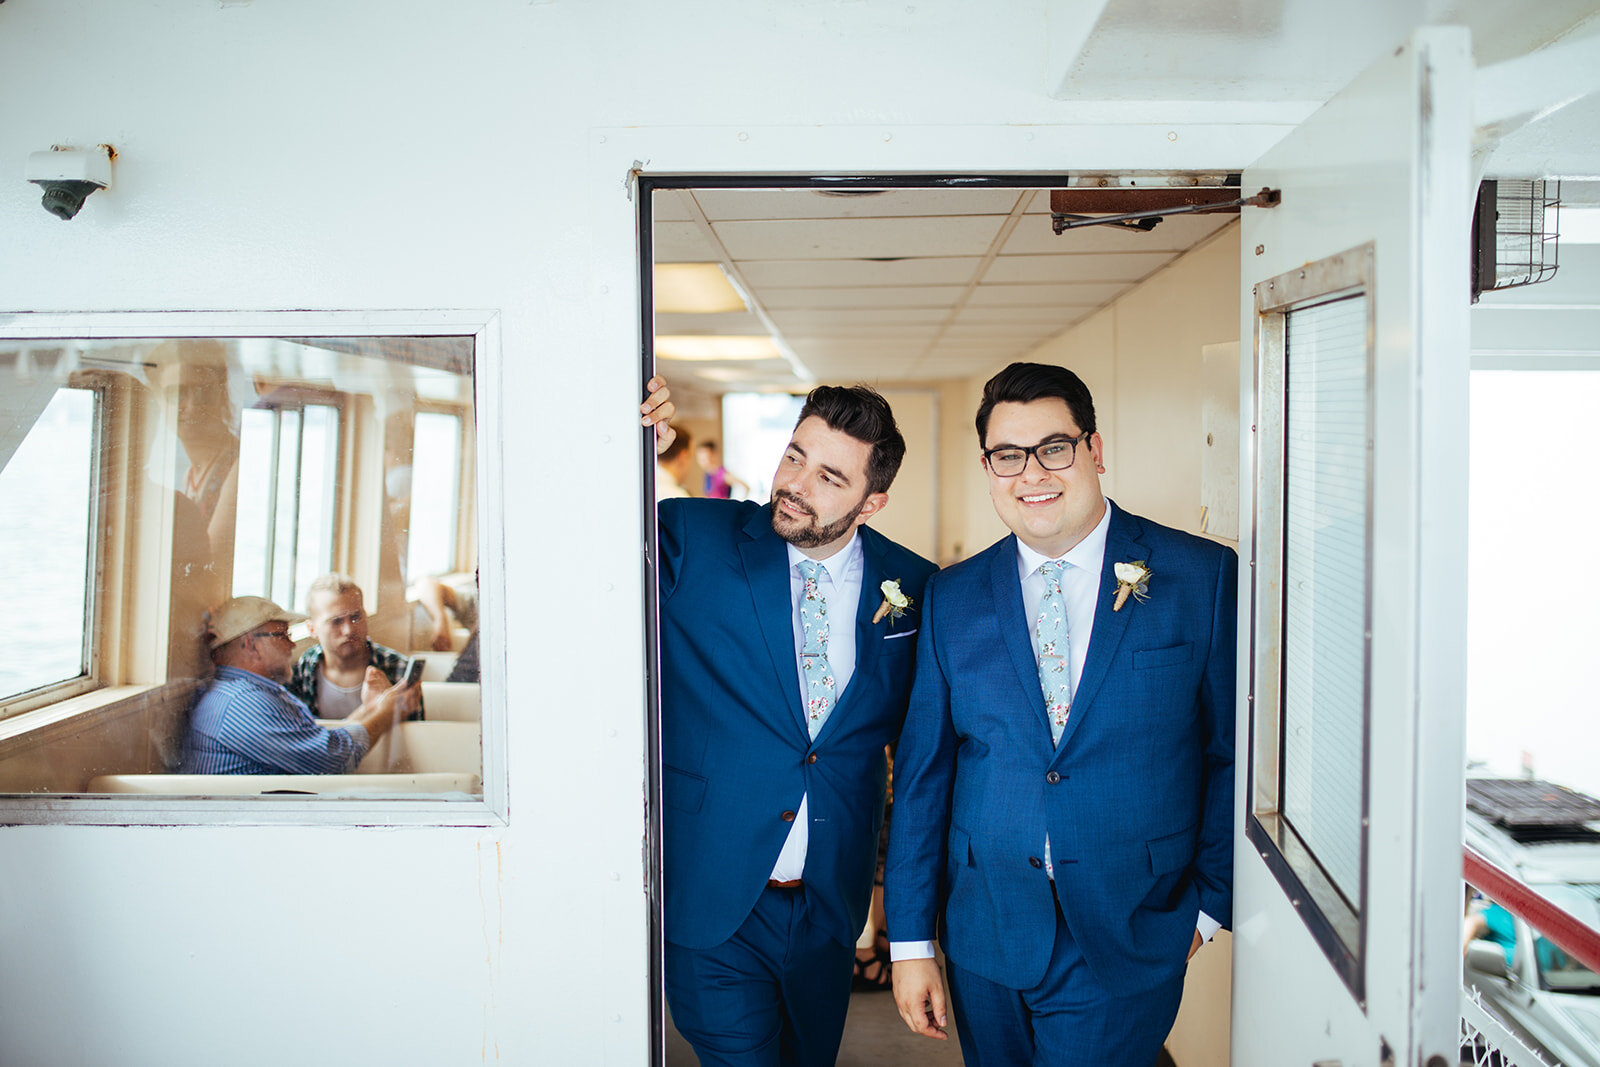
1132,578
895,603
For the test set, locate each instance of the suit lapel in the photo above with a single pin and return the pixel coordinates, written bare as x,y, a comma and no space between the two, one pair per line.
1122,546
766,568
1014,624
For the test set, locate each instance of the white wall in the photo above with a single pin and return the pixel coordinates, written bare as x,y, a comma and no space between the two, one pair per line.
409,155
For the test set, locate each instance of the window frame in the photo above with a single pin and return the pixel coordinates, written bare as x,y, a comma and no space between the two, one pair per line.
92,676
492,808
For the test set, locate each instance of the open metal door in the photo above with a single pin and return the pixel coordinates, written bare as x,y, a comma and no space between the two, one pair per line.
1348,870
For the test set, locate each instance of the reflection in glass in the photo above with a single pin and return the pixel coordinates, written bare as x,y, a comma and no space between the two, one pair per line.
209,469
45,505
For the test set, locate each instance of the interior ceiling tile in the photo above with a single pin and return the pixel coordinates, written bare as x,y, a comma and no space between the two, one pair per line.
910,331
986,330
1052,315
801,322
1127,267
1172,234
829,273
723,204
681,242
1081,294
732,322
877,296
674,205
949,235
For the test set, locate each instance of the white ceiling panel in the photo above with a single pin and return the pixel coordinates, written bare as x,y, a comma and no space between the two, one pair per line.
720,204
1084,294
675,205
802,322
831,273
1042,314
908,331
738,323
877,296
948,235
1173,234
1129,267
681,242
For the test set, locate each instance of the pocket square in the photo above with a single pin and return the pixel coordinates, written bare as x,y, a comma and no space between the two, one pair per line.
896,637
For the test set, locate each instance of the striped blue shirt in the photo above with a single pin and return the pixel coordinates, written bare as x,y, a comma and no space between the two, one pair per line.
246,724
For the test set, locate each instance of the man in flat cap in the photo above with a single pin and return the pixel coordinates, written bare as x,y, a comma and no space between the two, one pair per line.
246,722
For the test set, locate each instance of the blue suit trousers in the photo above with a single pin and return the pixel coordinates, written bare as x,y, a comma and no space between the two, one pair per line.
775,994
1067,1019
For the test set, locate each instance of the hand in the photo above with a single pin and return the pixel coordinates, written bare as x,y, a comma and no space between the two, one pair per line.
1194,946
443,640
919,994
373,685
657,409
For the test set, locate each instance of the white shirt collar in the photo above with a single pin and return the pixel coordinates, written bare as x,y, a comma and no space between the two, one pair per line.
1088,554
838,564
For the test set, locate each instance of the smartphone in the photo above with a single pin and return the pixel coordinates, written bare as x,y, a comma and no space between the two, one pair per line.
413,672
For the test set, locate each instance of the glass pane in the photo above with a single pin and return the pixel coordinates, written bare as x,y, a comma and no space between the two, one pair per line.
44,545
435,470
1325,584
250,561
285,512
319,455
259,467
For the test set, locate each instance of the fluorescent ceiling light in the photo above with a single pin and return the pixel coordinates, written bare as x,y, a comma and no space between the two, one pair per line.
702,347
695,289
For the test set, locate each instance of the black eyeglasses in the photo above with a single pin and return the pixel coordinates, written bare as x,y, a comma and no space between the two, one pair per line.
1057,454
280,635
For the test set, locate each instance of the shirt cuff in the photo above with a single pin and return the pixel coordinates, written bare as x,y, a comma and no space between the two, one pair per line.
910,950
1207,926
362,739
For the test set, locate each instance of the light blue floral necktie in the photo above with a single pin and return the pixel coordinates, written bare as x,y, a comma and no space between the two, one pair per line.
814,653
1055,649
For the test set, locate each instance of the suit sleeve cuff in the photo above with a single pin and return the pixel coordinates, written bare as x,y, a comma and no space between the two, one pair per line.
910,950
1207,926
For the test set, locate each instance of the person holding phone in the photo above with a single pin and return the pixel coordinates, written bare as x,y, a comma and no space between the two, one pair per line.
329,678
246,722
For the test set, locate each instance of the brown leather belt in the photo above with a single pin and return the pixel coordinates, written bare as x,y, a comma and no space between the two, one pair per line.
793,883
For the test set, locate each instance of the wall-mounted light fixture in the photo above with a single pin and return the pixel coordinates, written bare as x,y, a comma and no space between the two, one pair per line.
68,175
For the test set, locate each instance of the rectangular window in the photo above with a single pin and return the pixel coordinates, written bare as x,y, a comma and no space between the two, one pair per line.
283,537
47,496
149,481
435,495
1311,592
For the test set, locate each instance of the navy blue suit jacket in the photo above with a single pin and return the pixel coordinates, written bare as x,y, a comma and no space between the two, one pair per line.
1137,799
735,750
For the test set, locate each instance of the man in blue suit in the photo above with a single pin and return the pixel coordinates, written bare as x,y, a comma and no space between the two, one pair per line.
787,658
1064,782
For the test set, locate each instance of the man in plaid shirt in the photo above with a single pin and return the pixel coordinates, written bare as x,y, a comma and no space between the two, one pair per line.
328,677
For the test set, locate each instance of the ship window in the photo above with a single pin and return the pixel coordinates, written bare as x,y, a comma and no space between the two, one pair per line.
149,481
47,513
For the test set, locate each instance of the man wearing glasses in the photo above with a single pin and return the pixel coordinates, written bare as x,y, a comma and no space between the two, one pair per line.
246,722
1064,782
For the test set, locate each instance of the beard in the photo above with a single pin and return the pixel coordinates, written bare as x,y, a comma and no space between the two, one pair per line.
812,535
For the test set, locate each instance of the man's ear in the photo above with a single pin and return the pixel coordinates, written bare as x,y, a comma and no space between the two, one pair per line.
1097,449
871,506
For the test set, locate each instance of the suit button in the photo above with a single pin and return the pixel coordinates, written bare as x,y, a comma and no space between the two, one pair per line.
787,816
1035,862
811,758
1052,777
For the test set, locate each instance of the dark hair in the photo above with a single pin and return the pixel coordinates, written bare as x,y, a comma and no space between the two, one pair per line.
1021,383
679,444
861,412
707,443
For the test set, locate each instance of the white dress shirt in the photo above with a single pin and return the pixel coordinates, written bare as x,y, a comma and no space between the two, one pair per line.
1080,587
840,579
